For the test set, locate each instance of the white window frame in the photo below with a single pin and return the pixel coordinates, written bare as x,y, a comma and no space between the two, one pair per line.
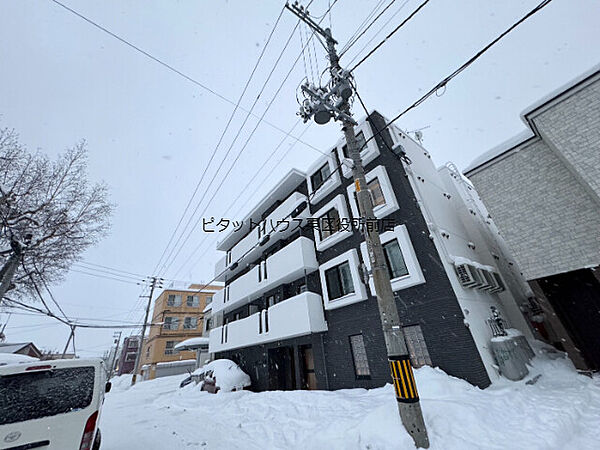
391,203
329,185
360,290
415,274
367,155
339,203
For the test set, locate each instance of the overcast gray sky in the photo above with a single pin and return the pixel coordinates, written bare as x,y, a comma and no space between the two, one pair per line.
150,132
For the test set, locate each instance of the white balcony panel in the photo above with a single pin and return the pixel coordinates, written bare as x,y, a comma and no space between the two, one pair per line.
287,226
296,316
287,265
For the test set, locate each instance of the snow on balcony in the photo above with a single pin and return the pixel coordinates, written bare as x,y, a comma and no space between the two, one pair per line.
296,316
279,224
288,264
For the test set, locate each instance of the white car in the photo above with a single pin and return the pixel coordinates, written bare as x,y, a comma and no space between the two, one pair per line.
52,404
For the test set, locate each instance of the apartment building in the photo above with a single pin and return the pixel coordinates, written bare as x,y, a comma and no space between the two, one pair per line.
298,310
129,350
542,188
181,315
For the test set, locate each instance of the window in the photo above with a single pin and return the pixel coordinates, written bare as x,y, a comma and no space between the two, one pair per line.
130,357
417,349
174,300
401,259
170,348
381,192
192,300
148,351
376,192
359,355
339,281
132,343
171,323
394,259
320,176
190,323
329,223
360,141
45,393
208,323
209,299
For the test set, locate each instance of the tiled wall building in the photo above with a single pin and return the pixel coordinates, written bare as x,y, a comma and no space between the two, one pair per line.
543,190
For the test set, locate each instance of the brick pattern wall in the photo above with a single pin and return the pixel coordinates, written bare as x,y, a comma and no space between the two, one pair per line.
573,128
539,198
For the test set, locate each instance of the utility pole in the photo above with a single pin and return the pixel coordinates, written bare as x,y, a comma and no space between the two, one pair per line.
71,336
333,101
138,357
116,335
8,270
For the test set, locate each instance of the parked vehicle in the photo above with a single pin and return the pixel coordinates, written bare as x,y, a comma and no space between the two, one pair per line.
52,404
221,375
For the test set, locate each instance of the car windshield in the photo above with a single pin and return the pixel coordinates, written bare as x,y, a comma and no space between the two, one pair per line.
32,395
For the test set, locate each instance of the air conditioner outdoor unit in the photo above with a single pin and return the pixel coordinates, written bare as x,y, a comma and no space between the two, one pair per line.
467,275
498,283
488,281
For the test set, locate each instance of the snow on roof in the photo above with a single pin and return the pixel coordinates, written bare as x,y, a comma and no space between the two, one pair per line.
12,347
457,260
183,362
561,90
192,343
499,149
525,135
280,191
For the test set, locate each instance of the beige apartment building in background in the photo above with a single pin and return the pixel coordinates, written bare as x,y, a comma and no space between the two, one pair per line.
180,313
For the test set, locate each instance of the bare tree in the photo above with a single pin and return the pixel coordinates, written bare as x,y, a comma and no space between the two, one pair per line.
48,209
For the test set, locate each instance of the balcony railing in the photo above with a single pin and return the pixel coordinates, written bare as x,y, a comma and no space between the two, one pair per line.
279,224
296,316
288,264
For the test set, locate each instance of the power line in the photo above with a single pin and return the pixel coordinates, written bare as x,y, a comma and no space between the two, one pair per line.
163,269
443,83
244,190
242,149
222,136
107,277
358,33
390,35
173,69
400,8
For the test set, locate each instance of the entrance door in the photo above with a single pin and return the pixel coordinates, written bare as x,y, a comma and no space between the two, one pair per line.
282,376
309,379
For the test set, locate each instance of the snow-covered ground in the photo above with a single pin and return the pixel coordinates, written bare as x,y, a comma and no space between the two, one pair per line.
560,411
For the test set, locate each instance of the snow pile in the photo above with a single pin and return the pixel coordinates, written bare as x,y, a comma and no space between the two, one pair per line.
227,375
559,411
15,358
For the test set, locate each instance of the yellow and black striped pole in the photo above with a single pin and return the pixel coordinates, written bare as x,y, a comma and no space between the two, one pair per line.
404,380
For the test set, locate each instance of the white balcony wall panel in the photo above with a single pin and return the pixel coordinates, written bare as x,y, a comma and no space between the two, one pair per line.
296,316
247,247
287,265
